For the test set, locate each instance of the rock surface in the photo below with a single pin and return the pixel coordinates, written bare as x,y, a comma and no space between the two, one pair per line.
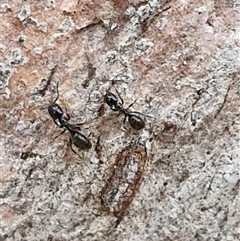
180,61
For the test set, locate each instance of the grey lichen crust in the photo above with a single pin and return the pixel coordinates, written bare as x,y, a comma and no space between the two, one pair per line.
179,60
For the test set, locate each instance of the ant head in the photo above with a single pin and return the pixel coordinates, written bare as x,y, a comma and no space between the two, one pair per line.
136,122
55,111
111,99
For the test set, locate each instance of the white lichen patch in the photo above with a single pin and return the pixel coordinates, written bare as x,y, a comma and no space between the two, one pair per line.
4,7
42,26
38,50
118,69
142,46
67,25
25,12
17,57
2,47
5,75
51,4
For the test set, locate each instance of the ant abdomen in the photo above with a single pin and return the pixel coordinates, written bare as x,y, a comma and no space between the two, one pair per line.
80,141
136,122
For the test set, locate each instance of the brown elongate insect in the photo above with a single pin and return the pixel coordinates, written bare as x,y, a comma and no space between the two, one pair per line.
124,180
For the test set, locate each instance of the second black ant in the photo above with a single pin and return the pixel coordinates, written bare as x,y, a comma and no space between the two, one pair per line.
62,120
135,121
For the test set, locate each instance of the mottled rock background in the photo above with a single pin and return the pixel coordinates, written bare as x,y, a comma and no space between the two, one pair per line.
179,59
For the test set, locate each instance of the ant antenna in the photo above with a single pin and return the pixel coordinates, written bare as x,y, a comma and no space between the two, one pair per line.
131,104
78,126
136,112
119,96
57,94
60,134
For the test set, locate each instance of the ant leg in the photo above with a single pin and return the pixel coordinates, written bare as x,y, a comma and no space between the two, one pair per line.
57,94
119,220
114,109
84,128
60,134
119,96
136,112
125,118
70,143
84,123
132,104
56,123
67,115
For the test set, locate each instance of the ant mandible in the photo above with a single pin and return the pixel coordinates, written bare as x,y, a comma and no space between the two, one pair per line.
76,138
136,122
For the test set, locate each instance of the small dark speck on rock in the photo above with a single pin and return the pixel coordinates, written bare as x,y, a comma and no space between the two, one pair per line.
24,156
203,209
37,127
2,238
193,123
20,39
50,238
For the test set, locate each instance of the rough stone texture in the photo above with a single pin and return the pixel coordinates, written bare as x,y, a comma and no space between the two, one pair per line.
179,59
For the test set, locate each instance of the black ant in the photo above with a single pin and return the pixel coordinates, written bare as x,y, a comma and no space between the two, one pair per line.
76,138
136,122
